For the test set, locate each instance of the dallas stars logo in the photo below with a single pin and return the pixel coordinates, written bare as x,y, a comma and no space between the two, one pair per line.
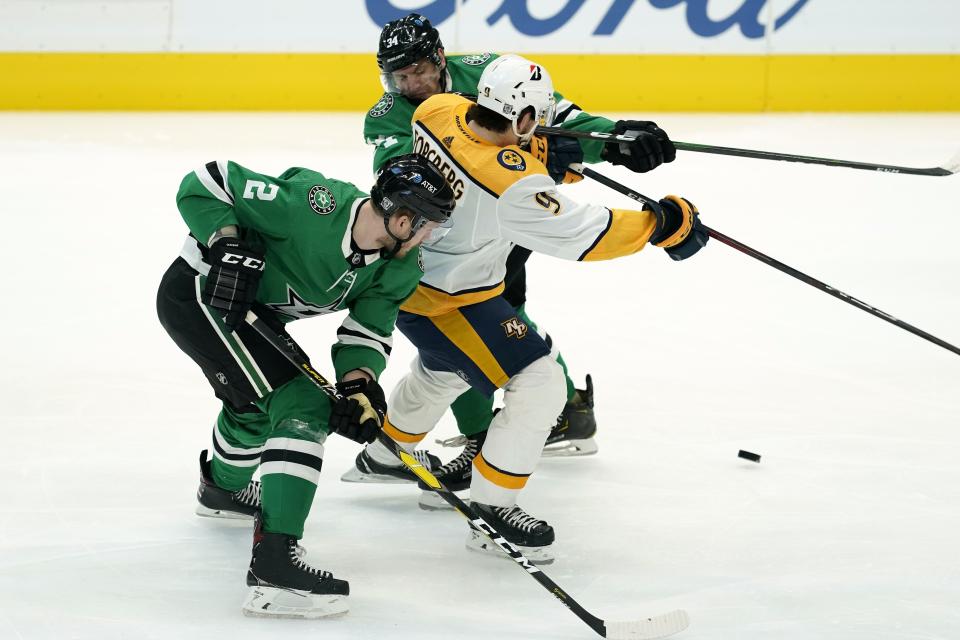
297,307
382,107
321,199
475,60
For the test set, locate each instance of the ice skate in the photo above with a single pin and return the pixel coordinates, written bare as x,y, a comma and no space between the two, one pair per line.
368,470
573,435
534,538
221,503
455,475
282,585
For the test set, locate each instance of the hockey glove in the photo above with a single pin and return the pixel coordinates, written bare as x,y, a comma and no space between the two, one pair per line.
360,412
231,287
557,153
651,148
679,231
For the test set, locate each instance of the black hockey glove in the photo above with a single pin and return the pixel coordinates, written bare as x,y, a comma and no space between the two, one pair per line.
231,287
557,153
561,153
651,148
359,414
679,231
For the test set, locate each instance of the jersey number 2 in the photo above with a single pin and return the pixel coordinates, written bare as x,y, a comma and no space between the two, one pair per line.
260,190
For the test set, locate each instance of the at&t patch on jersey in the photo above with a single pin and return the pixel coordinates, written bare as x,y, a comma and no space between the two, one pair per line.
512,160
382,107
475,60
321,199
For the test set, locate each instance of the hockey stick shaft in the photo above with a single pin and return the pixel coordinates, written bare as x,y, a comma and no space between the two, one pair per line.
776,264
949,169
289,351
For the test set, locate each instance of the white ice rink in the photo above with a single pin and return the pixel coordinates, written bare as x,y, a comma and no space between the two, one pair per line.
847,530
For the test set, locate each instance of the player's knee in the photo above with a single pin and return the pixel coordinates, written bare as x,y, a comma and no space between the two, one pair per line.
547,373
539,391
310,430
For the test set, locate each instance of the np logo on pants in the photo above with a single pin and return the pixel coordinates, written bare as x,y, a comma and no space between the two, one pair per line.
514,328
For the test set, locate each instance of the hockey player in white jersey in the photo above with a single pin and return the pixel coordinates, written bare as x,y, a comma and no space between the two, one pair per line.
466,333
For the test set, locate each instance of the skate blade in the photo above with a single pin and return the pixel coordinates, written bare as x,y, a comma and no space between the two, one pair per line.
570,448
355,475
207,512
479,543
271,602
431,501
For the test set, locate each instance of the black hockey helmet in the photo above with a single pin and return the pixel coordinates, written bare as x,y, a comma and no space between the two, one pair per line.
406,41
410,182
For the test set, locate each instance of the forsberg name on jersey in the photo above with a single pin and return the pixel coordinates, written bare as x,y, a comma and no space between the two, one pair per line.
425,147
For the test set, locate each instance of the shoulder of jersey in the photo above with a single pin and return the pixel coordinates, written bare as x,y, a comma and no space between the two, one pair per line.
500,167
437,103
386,104
473,60
322,194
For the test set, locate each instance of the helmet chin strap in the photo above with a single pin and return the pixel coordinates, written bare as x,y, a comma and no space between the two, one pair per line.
398,242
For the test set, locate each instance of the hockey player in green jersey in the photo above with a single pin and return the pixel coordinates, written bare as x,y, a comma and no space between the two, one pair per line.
292,246
414,67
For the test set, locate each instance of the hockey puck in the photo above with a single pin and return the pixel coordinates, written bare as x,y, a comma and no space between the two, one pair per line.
752,457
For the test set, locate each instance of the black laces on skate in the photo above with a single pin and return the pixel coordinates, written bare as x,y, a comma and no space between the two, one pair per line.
516,517
296,557
249,495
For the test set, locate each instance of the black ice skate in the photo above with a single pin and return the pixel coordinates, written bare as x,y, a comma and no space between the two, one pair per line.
366,469
531,536
282,585
221,503
455,475
576,426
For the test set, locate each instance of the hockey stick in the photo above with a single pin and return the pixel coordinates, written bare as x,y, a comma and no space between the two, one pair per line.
947,169
659,626
776,264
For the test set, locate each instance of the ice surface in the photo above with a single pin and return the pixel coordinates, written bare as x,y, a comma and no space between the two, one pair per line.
847,530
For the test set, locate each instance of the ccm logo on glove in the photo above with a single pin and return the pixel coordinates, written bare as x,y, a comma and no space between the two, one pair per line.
245,261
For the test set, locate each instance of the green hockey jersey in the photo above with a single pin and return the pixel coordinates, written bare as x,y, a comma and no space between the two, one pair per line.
304,221
387,125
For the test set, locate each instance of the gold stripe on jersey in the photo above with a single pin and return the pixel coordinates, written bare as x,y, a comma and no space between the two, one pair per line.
628,232
430,302
498,477
401,436
458,330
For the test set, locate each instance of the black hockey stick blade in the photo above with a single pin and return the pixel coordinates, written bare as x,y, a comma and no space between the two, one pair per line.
947,169
776,264
652,628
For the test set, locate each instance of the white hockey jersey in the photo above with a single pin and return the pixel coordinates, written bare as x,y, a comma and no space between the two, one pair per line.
504,197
